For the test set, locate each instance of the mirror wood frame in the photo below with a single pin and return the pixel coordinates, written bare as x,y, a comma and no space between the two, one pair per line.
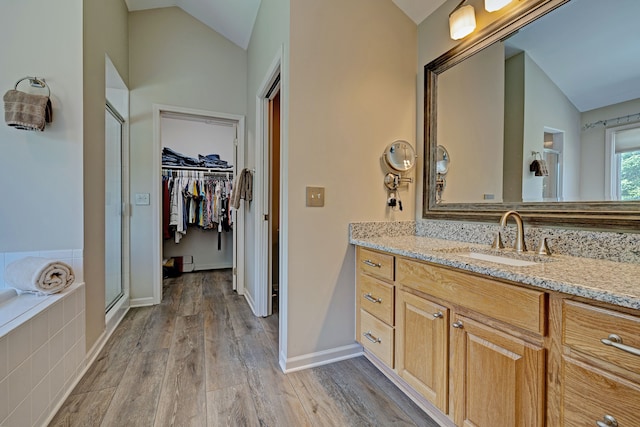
619,216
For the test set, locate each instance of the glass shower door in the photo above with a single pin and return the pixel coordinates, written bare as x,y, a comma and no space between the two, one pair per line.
113,207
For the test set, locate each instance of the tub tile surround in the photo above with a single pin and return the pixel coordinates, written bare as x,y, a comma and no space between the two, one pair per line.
602,266
42,351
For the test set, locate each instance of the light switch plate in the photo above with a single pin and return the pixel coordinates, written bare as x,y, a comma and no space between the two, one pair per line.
142,198
315,197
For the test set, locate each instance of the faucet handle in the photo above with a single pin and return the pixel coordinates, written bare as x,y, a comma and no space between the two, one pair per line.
497,242
543,247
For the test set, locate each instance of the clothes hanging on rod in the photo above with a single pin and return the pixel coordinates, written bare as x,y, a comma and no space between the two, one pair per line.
196,198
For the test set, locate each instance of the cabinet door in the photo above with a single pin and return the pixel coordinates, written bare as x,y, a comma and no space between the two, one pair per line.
496,379
422,346
590,396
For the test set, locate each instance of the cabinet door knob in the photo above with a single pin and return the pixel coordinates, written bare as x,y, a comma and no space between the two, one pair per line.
457,325
371,263
438,315
609,421
371,338
615,341
370,297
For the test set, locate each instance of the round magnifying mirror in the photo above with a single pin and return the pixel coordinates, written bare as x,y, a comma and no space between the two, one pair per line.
442,161
400,156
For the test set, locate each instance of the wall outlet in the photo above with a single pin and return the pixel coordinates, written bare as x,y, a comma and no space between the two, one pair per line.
142,199
315,197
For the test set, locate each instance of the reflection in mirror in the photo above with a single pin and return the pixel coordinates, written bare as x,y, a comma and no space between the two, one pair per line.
442,160
555,91
442,167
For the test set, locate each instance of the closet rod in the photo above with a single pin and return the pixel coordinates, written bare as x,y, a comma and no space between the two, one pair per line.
198,169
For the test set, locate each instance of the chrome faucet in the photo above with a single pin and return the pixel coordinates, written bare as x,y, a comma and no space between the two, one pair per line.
519,244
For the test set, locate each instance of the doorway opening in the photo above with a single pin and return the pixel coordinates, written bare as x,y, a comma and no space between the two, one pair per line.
274,197
201,151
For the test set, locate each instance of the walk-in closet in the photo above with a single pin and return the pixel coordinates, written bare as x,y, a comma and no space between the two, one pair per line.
198,169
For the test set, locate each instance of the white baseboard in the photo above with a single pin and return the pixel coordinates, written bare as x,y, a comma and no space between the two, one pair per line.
251,303
218,266
141,302
320,358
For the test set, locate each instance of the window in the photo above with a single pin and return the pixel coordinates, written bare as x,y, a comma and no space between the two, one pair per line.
623,146
629,167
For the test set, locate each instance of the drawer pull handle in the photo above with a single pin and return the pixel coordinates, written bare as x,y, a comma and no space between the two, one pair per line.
609,421
371,338
615,341
437,315
457,325
369,297
371,263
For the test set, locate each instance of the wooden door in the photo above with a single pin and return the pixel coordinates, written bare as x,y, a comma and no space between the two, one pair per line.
496,379
422,349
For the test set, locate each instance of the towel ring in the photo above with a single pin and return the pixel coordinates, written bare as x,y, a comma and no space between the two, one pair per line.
35,82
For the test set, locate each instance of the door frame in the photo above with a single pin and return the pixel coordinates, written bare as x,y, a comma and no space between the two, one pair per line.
238,230
117,94
262,226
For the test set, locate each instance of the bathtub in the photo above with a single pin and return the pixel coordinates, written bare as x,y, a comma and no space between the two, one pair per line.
42,347
14,307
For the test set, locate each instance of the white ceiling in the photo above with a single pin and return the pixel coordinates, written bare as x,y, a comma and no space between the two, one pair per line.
589,48
234,19
418,10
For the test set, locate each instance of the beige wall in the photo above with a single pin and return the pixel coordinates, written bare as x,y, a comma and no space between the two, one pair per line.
470,126
174,59
352,92
105,32
269,38
547,107
537,105
41,172
513,128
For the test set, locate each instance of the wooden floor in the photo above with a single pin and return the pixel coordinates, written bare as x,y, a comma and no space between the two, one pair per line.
201,358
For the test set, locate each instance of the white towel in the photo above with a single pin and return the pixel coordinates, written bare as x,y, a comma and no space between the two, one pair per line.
39,275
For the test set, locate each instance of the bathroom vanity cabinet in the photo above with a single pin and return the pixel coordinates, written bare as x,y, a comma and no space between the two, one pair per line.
484,340
600,383
477,351
375,320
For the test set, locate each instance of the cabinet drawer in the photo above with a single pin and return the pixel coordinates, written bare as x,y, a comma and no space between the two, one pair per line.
376,297
584,327
377,337
524,308
376,263
590,394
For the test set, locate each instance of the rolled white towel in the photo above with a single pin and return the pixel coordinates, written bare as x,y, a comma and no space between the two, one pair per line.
41,275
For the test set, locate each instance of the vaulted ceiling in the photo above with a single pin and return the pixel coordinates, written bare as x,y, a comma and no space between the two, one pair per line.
234,19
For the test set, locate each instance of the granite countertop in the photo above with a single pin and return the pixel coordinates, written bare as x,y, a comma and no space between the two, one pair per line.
601,280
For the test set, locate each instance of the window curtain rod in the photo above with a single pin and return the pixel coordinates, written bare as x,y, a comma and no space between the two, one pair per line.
615,121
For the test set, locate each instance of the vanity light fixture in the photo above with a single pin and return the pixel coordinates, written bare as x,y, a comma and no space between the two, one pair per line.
494,5
462,21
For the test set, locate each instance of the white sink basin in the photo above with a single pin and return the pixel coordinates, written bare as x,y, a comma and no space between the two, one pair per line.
499,256
497,259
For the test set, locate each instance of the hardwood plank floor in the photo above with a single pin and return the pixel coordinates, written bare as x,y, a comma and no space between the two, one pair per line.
200,358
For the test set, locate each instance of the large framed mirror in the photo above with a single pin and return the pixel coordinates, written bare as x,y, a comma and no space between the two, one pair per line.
541,112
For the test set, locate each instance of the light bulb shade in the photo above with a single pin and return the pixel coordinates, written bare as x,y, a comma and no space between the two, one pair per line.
462,22
493,5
